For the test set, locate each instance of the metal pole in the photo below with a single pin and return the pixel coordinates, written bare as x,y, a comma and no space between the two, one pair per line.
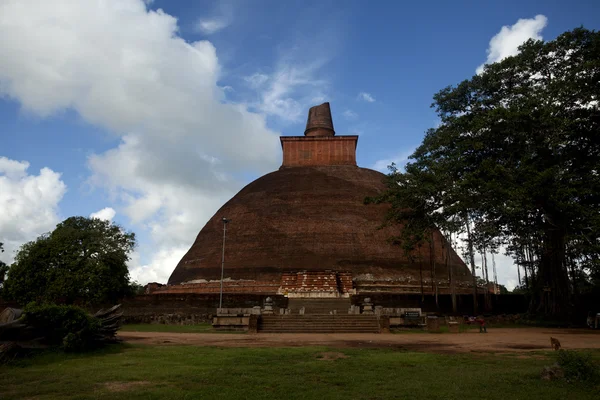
225,221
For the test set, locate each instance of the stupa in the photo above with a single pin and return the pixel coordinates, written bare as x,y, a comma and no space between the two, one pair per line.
304,230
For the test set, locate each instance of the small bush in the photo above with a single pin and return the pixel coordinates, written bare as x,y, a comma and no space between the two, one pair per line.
70,327
577,366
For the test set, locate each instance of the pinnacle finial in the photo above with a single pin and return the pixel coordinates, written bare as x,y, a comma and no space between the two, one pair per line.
319,121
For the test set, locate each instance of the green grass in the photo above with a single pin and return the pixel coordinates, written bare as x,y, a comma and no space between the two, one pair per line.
198,328
189,372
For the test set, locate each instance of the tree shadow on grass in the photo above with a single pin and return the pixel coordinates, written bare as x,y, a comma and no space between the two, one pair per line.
50,356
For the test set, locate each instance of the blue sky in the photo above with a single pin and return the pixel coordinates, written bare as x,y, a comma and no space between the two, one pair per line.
154,113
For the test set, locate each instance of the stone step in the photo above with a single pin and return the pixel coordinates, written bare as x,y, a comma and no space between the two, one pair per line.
321,322
320,316
316,323
324,331
315,331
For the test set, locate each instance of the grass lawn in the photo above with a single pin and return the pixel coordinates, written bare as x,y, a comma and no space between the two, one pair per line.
189,372
198,328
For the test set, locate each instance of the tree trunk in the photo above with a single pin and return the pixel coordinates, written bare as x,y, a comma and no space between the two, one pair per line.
434,284
488,299
571,263
519,268
421,274
552,286
472,259
447,246
528,263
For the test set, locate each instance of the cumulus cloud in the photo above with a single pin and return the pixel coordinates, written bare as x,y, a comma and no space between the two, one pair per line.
106,214
506,42
155,271
28,204
124,68
364,96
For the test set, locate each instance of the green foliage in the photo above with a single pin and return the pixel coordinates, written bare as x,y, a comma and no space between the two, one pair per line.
516,158
136,289
70,327
577,366
3,268
82,260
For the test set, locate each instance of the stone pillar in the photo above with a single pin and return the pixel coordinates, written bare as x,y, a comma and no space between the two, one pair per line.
367,306
384,324
453,327
433,323
268,306
253,323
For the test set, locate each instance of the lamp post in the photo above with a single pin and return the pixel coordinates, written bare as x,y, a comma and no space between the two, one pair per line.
225,221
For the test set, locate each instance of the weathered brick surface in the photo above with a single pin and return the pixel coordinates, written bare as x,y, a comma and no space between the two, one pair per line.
310,216
345,282
311,151
243,286
307,282
319,121
307,219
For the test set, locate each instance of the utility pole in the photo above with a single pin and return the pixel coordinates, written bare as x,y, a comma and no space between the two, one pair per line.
225,221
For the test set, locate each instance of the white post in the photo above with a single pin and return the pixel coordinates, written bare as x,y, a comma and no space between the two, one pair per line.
225,221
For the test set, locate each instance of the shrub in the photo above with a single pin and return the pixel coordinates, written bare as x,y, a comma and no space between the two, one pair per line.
577,366
70,327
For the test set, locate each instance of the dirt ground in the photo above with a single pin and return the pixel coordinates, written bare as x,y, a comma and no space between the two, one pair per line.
495,341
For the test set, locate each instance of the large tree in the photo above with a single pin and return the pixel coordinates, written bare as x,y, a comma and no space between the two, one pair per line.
3,268
518,152
83,260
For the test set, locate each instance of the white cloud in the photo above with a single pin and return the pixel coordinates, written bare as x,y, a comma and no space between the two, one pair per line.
28,204
256,80
366,97
290,90
220,19
349,114
209,26
123,68
506,269
159,269
506,42
106,214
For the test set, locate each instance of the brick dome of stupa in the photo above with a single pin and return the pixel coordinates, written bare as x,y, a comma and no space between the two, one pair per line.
308,216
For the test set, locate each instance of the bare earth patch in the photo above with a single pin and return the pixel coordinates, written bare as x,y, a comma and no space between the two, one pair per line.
330,356
501,340
124,386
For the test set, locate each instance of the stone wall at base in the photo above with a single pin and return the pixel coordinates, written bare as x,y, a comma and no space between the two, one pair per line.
188,309
500,304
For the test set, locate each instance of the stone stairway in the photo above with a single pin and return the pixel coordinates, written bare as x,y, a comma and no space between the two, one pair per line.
315,323
319,306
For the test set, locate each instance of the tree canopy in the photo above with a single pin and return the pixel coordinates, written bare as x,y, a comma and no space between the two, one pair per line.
83,260
3,268
515,162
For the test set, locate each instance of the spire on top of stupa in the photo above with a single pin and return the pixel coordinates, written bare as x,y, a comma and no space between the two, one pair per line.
319,121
